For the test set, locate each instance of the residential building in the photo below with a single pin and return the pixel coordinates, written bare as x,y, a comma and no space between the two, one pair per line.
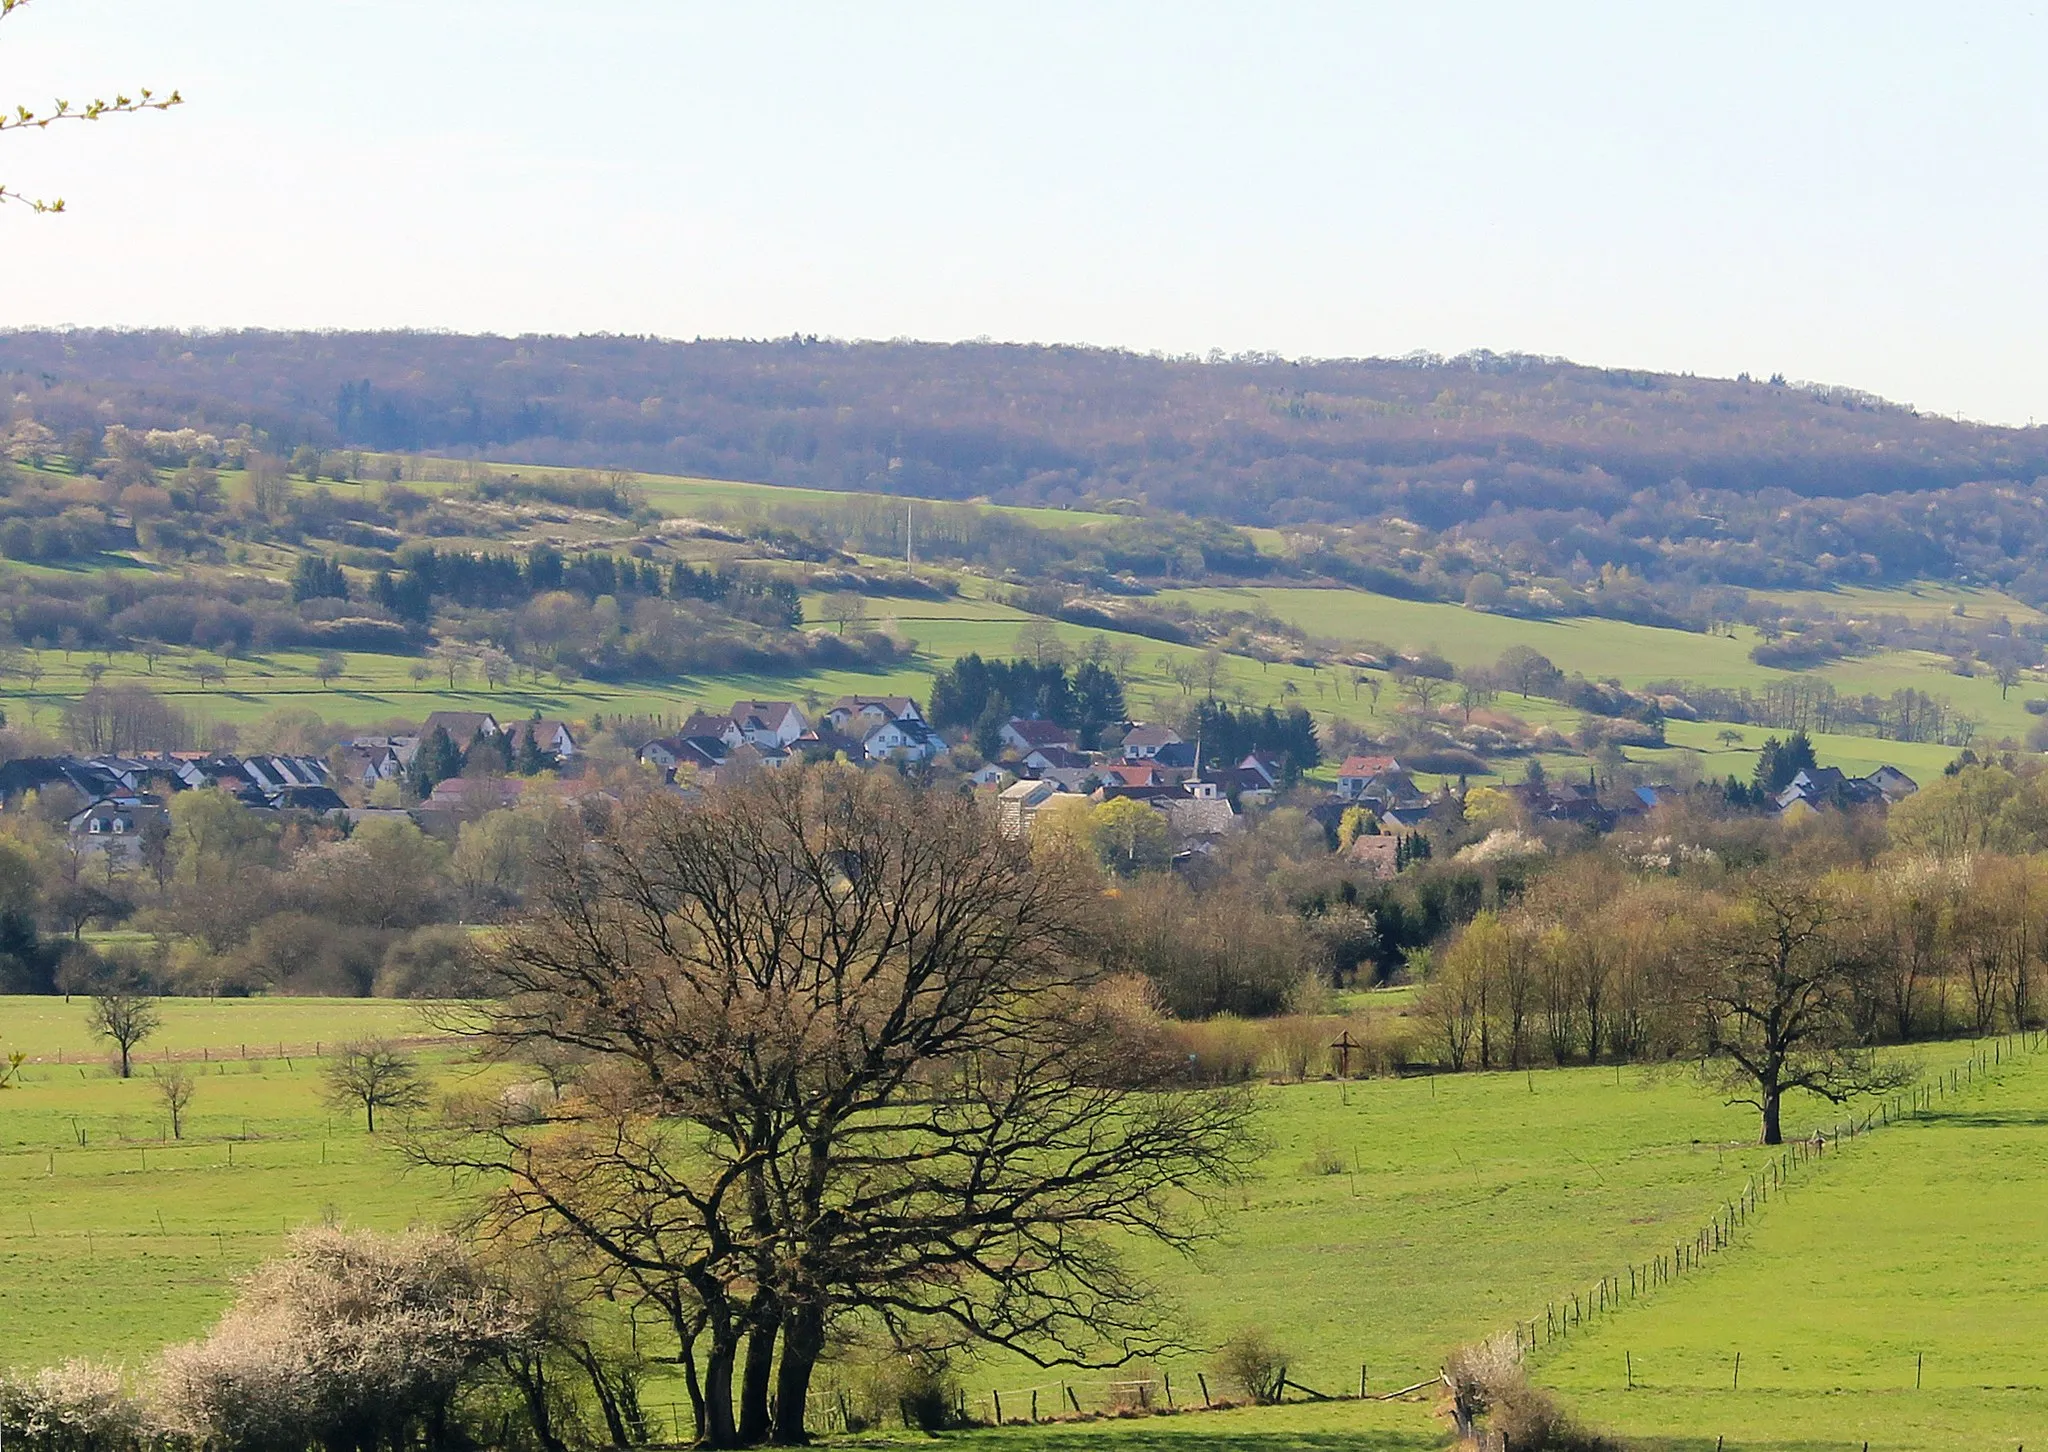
902,740
1019,804
1142,743
1024,734
853,715
769,725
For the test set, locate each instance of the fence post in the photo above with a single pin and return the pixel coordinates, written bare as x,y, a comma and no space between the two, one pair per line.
1205,1389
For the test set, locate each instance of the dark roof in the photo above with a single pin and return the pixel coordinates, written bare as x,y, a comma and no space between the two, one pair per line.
38,773
1040,733
308,799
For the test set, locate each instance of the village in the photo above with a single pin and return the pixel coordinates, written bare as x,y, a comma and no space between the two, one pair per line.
460,764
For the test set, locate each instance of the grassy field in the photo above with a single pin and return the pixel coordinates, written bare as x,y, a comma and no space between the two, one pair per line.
1389,1221
1920,1241
115,1239
44,1028
1634,654
685,495
377,687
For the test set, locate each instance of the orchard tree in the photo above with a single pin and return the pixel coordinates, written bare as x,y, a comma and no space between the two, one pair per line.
124,1018
372,1074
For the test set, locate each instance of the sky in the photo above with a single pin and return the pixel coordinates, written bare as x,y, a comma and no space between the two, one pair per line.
1849,193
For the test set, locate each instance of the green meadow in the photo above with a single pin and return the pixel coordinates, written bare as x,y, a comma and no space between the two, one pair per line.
377,687
1633,654
1899,1298
1388,1221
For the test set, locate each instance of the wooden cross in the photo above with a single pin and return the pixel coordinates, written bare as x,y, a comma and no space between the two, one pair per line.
1344,1046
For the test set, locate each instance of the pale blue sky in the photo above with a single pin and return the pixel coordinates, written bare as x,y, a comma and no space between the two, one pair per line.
1853,193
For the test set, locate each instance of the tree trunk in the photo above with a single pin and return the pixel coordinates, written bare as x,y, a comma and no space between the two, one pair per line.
1773,1099
719,1430
803,1341
759,1373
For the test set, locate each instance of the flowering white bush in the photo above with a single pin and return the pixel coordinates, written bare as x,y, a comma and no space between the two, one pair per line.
349,1340
80,1406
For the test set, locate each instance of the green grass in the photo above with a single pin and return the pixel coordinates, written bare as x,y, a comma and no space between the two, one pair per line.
1388,1222
686,495
117,1245
44,1027
1635,654
378,687
1922,1239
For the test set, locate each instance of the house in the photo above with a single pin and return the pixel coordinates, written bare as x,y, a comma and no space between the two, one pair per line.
116,824
320,799
42,773
852,715
991,775
368,760
273,774
462,727
1019,804
700,753
1175,756
1266,766
1366,778
1822,787
1130,778
1023,734
769,725
552,737
1378,855
1142,743
899,740
720,728
1042,759
1241,783
1201,816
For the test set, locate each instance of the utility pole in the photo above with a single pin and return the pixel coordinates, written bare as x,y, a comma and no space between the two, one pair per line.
909,536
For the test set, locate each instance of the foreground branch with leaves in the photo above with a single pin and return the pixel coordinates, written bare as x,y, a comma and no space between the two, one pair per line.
843,1066
21,118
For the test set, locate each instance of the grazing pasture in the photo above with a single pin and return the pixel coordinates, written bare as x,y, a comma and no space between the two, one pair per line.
1389,1220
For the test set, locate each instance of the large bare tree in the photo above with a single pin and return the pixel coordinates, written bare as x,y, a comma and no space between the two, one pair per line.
843,1062
1775,983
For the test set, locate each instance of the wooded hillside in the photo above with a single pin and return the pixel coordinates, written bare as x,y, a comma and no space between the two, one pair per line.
1535,461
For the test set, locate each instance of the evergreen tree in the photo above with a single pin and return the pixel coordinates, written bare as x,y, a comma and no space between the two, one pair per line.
437,760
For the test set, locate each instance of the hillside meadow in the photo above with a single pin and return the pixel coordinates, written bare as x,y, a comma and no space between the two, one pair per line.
1634,654
1388,1221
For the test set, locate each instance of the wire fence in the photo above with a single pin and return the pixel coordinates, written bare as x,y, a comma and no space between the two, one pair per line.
1568,1314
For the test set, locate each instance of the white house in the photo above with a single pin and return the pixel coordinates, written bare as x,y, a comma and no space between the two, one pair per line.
552,737
1142,743
902,741
769,725
853,715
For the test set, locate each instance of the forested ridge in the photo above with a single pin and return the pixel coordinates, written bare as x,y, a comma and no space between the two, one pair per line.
1536,461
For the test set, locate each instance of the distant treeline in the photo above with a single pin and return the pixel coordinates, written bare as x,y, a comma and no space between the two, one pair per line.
1557,477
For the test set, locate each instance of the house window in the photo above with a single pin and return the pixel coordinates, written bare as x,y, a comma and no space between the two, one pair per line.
94,826
120,825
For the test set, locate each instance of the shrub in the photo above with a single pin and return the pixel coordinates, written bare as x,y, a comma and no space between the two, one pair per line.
1255,1365
1223,1050
1491,1393
1299,1046
80,1406
347,1341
